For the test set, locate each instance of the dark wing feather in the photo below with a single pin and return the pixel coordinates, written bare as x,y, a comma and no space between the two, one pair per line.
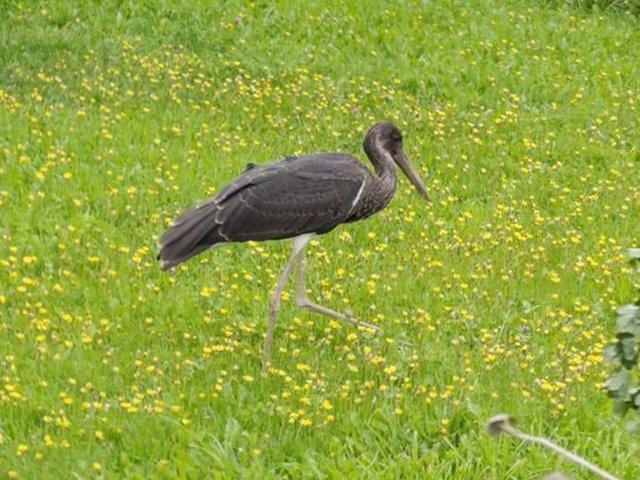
312,194
278,200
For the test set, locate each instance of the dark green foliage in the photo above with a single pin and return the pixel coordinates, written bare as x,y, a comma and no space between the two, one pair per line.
623,385
621,6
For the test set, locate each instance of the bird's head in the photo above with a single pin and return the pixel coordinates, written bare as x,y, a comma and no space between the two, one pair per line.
385,139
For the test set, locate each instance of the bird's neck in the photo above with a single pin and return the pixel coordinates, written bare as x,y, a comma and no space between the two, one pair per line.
384,177
380,158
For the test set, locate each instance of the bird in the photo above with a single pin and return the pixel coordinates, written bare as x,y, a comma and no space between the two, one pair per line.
294,198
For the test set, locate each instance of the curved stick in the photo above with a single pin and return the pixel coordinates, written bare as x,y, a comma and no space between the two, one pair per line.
505,424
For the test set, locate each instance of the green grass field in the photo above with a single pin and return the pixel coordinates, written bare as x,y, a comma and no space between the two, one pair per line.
522,118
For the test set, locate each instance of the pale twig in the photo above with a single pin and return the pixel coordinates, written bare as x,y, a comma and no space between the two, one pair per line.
505,424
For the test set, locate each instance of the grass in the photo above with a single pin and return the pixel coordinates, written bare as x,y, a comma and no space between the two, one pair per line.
496,297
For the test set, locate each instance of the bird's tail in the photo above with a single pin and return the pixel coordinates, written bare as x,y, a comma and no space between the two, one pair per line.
190,234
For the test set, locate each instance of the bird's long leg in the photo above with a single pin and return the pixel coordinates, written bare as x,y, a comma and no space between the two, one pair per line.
274,305
303,301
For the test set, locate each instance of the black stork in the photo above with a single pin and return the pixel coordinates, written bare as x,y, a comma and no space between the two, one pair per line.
293,198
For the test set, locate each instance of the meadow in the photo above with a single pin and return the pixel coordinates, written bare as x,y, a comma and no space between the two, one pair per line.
523,119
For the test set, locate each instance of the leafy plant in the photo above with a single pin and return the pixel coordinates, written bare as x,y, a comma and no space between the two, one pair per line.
622,6
623,385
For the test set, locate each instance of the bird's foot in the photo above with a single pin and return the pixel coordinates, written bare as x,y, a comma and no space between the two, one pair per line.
304,302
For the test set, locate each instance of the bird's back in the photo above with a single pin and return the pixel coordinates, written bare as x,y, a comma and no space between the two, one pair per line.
282,199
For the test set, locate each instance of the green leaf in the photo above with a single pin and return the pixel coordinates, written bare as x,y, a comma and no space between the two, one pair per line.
632,426
618,384
612,353
633,254
628,320
628,350
629,310
620,407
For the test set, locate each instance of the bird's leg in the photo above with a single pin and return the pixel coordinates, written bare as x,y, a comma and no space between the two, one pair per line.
274,306
303,302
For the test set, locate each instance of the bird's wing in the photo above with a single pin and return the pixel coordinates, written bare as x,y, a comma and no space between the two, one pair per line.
284,199
252,175
278,200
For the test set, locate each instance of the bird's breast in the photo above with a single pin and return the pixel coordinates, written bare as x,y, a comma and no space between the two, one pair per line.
375,196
